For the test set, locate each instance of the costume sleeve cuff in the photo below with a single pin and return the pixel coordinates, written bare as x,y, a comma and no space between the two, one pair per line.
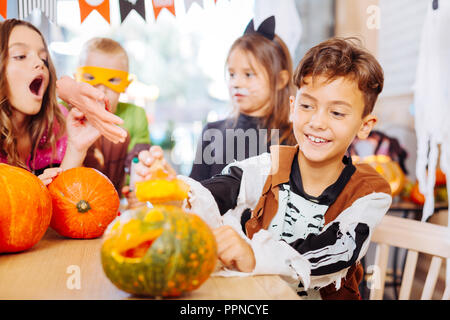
201,202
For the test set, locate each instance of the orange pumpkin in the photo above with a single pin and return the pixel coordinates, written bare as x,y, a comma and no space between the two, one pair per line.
25,209
441,179
160,189
84,203
416,196
159,252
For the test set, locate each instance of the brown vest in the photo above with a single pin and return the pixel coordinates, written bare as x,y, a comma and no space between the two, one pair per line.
109,158
364,180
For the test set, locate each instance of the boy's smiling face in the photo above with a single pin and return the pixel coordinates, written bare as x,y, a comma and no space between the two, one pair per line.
327,115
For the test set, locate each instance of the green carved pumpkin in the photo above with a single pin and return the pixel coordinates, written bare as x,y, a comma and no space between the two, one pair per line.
160,252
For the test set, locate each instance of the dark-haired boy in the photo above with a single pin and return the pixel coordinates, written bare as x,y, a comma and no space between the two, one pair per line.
306,212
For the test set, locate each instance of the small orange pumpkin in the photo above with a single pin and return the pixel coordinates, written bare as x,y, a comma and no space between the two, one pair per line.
441,179
161,189
25,209
416,196
84,203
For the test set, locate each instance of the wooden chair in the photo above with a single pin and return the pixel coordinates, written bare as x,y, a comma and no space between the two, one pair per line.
415,237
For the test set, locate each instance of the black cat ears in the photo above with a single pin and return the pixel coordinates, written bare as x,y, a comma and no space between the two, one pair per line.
266,28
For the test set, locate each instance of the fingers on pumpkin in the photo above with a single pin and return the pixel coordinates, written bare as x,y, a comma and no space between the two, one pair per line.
46,182
160,184
49,174
161,190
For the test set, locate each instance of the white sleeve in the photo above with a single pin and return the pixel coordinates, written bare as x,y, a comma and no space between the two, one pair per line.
255,171
254,174
202,203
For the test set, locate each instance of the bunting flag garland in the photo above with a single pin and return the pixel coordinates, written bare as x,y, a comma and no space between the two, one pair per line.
3,8
127,5
189,3
87,6
158,5
25,7
49,8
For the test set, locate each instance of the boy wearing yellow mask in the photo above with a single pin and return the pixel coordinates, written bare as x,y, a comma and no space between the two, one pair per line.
103,63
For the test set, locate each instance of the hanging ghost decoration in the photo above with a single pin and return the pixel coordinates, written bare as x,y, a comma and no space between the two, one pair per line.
432,101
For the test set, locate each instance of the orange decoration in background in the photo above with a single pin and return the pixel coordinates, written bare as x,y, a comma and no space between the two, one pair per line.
3,8
158,5
86,9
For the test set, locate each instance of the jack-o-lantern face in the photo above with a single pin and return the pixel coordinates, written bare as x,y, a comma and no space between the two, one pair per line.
162,251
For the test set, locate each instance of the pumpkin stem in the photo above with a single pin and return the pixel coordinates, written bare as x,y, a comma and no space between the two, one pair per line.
83,206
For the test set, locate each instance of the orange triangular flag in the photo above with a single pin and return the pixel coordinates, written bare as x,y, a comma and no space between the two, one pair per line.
158,5
3,8
87,6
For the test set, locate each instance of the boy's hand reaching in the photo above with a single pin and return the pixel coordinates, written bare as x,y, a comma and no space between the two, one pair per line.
150,161
91,102
130,195
49,174
234,252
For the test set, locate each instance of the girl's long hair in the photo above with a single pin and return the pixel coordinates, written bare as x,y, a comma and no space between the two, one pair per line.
274,57
41,124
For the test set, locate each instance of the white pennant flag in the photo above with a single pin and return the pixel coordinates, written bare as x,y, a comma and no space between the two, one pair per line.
47,6
188,3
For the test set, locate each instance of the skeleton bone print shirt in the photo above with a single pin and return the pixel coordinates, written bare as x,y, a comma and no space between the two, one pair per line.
300,220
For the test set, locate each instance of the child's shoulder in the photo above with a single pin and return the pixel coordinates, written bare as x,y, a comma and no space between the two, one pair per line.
219,124
368,180
126,106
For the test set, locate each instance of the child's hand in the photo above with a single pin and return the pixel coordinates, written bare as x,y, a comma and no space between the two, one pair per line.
91,102
49,174
130,195
150,161
234,252
81,133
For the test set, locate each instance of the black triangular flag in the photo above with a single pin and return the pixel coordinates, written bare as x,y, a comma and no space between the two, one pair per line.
126,6
266,28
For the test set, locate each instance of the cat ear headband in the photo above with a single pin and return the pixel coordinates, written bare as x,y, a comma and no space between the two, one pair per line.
266,28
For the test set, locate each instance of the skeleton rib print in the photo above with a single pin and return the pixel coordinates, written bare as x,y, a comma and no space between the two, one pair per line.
302,225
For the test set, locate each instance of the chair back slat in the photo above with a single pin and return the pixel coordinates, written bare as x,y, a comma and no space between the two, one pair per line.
408,275
416,237
446,295
379,276
410,234
430,282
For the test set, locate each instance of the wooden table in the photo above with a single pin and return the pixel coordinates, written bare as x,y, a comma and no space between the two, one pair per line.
60,268
412,210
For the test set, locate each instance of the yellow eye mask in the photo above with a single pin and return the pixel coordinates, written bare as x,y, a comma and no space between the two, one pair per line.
116,80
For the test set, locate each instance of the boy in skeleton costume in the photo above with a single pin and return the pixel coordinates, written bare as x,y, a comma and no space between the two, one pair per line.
304,212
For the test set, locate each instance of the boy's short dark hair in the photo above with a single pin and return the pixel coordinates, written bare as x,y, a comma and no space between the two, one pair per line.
338,57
